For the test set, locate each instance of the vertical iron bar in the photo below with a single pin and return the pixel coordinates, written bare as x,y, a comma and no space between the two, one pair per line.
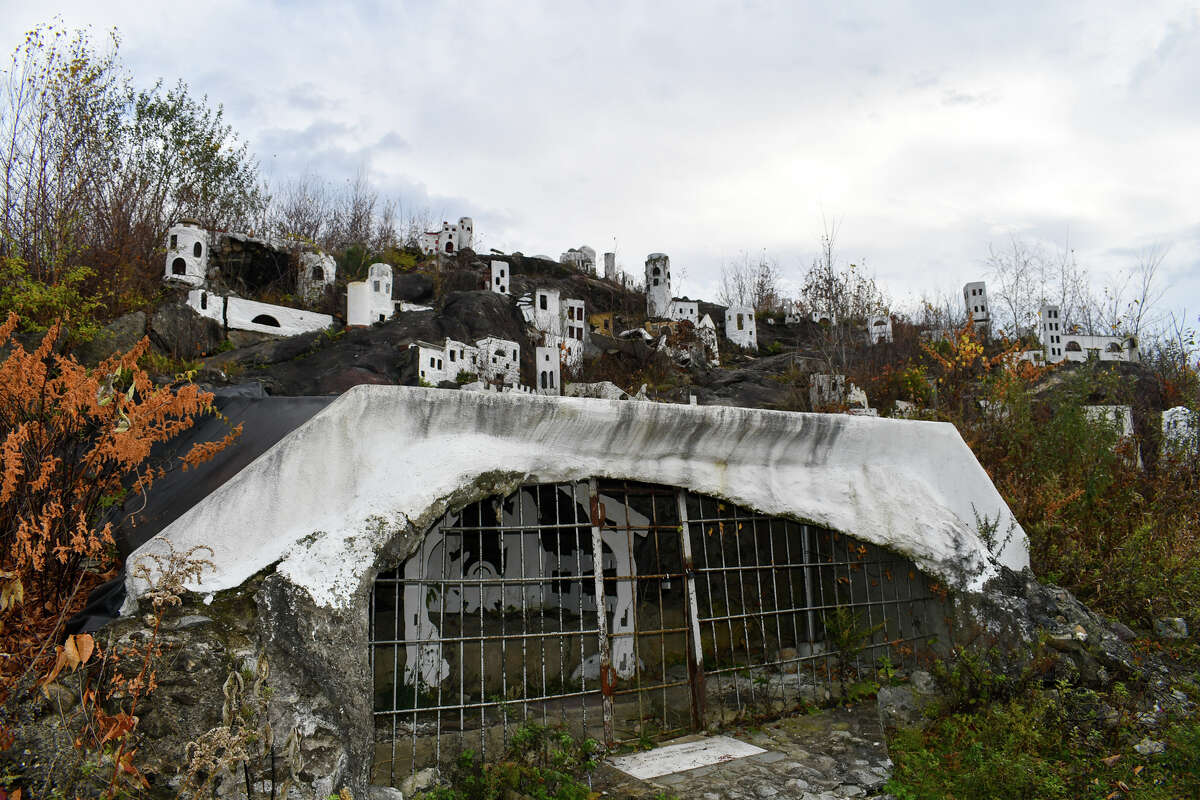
606,679
695,660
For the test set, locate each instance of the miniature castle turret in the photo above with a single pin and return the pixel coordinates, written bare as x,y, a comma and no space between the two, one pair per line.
658,286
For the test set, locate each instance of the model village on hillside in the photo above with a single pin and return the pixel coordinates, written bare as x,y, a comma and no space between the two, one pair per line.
217,268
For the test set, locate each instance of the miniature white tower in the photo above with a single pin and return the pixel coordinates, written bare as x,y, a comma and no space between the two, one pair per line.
658,286
370,301
500,277
975,297
465,234
187,254
549,370
740,327
1050,333
610,266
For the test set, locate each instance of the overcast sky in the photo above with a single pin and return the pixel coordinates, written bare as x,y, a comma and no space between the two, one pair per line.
927,131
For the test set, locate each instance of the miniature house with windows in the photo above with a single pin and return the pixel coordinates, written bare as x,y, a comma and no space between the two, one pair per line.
1181,431
879,329
499,361
706,332
683,309
1060,343
500,277
450,239
549,370
824,317
562,323
740,328
975,297
658,286
370,301
791,312
187,254
220,268
318,273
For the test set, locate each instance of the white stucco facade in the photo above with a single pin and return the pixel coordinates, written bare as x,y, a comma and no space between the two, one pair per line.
187,255
450,239
499,360
500,277
740,327
1060,344
370,301
240,314
548,371
975,299
326,498
684,309
658,286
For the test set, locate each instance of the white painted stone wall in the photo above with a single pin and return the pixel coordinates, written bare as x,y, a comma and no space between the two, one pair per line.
740,327
658,286
240,314
683,309
549,371
975,298
370,301
317,272
326,499
500,277
187,255
879,329
499,360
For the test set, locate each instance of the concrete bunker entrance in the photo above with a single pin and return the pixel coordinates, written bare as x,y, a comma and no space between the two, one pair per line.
709,610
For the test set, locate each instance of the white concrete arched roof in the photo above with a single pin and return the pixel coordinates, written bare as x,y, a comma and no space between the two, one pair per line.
327,497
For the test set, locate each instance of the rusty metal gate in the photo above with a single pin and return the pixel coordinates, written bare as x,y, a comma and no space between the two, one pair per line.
700,611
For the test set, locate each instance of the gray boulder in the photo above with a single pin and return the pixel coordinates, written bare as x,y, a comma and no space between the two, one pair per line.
180,332
116,337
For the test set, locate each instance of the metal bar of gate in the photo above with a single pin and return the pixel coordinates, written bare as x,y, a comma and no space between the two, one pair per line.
696,656
607,678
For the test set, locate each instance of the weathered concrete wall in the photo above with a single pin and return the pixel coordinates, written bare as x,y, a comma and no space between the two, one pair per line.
352,492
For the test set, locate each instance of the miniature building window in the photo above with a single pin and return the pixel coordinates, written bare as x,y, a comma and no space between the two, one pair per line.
375,287
449,247
514,355
174,241
451,356
544,386
197,250
266,319
542,301
1113,347
656,281
739,322
514,607
204,301
432,362
1073,347
179,267
439,366
317,274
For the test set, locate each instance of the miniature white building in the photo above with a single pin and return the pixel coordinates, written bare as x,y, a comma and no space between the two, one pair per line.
240,314
500,277
975,297
370,301
684,309
549,370
824,318
499,360
610,266
1059,344
318,271
658,286
740,328
791,313
582,259
879,329
450,239
1120,418
563,322
706,331
187,255
445,362
1180,429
